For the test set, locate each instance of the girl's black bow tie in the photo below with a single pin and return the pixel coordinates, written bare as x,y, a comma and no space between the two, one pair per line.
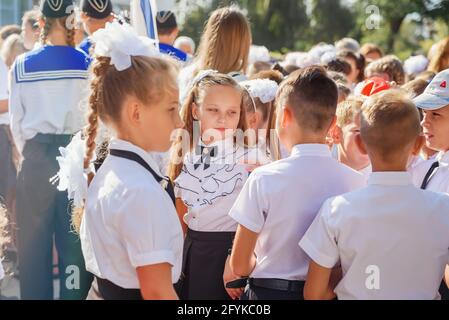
206,154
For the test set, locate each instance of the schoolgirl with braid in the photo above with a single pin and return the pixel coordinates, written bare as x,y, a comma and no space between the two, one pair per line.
47,86
130,234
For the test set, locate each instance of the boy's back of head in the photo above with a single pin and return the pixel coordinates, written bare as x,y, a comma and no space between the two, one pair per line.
312,96
389,124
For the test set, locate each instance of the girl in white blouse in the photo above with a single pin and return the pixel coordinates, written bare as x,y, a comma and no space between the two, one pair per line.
209,177
130,234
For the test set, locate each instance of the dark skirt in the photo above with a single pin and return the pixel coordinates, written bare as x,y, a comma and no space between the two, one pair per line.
204,258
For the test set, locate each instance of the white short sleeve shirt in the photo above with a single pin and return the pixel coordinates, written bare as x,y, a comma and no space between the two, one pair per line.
391,239
280,201
129,221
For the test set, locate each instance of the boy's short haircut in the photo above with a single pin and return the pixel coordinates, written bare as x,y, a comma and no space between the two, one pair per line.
390,65
312,96
348,110
389,122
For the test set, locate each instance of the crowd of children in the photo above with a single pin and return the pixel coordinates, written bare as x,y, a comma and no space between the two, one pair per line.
147,170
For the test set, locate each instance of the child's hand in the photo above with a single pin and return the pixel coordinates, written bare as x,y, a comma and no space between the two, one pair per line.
228,276
251,167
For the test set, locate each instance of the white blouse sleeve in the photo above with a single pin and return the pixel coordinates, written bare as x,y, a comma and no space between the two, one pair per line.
16,111
252,205
145,228
319,241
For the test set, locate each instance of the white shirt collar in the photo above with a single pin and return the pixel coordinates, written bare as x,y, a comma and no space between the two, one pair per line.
402,178
127,146
313,149
443,159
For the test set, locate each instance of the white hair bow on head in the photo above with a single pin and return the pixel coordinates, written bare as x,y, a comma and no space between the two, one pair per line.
201,75
264,89
120,42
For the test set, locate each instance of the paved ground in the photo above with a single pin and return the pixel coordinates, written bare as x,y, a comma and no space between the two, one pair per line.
9,286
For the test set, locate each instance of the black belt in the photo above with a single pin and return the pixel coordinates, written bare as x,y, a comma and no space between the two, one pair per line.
277,284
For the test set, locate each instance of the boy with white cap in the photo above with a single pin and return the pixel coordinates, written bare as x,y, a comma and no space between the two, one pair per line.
433,174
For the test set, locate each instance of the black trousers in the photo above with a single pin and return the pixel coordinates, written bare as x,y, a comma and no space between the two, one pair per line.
204,258
43,217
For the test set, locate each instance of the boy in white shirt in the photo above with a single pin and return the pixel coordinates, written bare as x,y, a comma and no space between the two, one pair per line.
280,200
344,132
390,237
433,174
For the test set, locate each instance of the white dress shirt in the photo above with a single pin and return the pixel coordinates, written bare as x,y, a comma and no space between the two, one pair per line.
440,179
390,237
210,191
280,201
129,221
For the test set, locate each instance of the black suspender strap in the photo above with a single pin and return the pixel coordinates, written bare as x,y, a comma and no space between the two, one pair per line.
135,157
429,175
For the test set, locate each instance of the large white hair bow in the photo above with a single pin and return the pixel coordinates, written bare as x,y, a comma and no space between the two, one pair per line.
120,42
264,89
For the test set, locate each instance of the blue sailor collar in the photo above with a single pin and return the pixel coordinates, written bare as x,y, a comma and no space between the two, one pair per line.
51,63
173,52
85,45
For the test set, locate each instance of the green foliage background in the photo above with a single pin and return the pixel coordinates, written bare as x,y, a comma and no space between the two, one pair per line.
404,26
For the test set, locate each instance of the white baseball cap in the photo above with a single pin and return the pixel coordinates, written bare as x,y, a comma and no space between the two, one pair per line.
436,95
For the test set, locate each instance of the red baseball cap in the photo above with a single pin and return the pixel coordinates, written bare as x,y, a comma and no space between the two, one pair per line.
374,85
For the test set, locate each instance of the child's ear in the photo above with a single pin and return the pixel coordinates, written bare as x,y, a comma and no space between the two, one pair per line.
360,144
83,17
41,23
419,143
194,111
287,117
132,111
335,134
